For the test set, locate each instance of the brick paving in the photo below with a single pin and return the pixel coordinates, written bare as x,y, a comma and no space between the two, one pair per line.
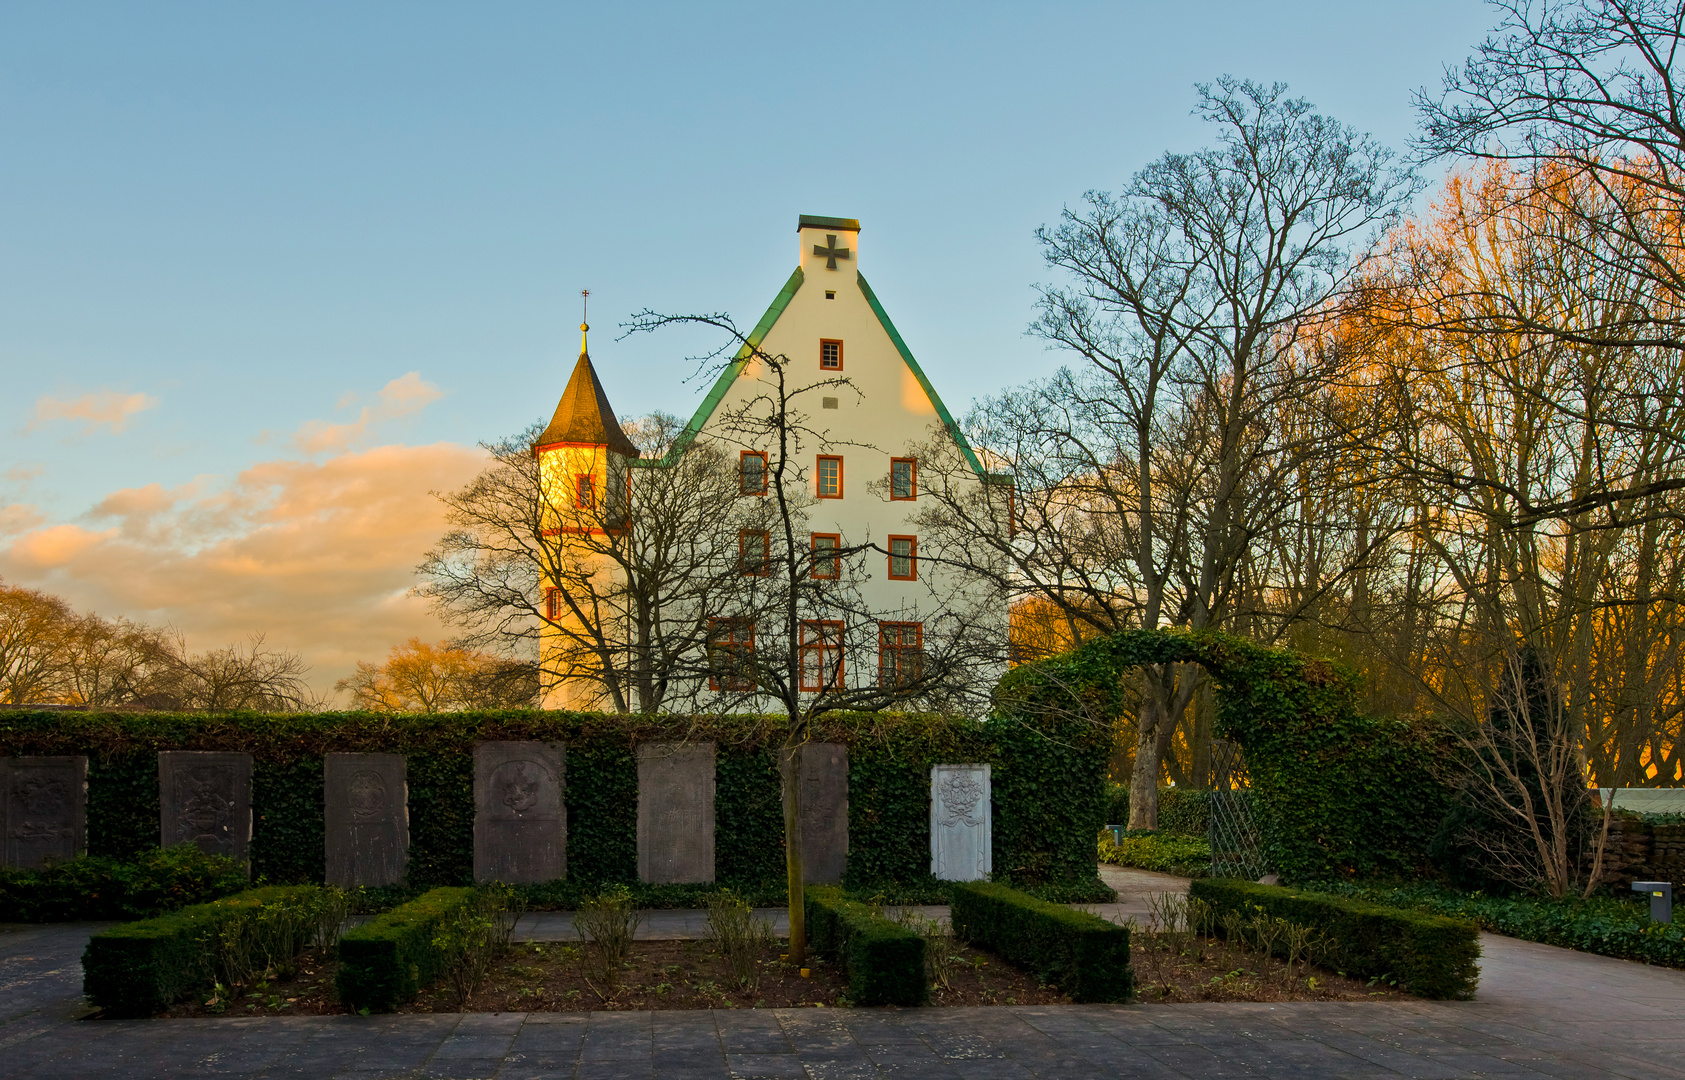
1540,1012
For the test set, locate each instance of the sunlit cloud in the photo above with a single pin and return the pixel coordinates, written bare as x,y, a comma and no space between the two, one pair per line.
404,396
93,410
317,555
19,517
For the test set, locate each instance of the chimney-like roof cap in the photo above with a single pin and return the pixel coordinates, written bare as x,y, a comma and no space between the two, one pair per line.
841,224
584,415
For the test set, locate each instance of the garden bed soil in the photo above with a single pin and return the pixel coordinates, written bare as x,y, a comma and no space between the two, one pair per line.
548,977
1207,970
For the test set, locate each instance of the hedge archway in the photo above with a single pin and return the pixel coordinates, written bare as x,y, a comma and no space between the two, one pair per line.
1341,794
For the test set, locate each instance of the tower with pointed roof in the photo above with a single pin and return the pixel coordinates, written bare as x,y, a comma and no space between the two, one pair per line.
582,455
865,474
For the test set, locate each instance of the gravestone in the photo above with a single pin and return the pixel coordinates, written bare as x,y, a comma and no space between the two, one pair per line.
960,809
520,819
367,817
676,812
824,812
43,809
205,798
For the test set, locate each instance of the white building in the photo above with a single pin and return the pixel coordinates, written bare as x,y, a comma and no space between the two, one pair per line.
864,472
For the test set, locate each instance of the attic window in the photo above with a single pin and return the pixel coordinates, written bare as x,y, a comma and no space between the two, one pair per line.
830,294
830,355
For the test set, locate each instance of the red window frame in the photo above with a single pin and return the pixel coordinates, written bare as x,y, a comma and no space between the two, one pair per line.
584,491
820,562
912,558
819,476
730,638
553,603
823,365
752,565
820,638
897,654
743,485
912,478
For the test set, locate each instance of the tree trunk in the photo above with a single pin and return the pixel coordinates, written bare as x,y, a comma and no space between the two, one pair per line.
793,862
1143,779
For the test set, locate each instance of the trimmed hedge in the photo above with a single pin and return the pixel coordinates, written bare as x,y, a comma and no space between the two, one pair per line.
92,887
1429,955
388,960
1615,925
142,968
1037,840
1077,951
884,960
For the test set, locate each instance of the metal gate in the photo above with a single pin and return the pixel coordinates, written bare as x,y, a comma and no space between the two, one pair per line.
1236,846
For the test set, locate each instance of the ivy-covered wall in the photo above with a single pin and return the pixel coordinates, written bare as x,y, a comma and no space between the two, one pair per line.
1049,786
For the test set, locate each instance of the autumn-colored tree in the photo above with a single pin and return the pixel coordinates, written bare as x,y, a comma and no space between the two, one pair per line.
428,678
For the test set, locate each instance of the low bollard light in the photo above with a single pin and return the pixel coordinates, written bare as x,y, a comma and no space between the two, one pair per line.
1661,898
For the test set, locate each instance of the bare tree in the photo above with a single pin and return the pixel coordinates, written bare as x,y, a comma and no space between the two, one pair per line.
796,634
1144,478
607,591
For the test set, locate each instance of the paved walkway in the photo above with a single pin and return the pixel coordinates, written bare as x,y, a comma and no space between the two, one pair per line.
1541,1012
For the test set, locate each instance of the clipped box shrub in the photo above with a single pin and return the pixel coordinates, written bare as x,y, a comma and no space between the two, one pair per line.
884,961
142,968
92,887
1429,955
1077,951
388,960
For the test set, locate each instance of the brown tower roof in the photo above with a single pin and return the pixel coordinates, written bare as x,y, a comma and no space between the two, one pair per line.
584,415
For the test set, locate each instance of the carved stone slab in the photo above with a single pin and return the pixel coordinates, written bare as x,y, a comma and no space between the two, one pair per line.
205,798
676,812
520,819
960,812
43,809
366,806
824,812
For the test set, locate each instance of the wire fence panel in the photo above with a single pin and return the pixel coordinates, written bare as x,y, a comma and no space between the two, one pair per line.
1236,846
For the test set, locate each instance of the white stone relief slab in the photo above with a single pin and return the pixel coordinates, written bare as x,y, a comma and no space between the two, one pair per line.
960,812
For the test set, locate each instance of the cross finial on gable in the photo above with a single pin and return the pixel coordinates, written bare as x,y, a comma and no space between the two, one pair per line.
830,252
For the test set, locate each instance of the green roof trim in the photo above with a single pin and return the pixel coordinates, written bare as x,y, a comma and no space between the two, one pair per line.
918,373
814,221
733,369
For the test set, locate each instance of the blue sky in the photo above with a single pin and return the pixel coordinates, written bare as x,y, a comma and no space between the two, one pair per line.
245,247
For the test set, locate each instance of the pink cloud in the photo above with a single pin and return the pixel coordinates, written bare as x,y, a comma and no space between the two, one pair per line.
95,409
319,556
403,396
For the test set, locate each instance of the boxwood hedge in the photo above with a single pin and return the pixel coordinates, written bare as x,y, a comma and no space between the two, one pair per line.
884,961
1429,955
1081,953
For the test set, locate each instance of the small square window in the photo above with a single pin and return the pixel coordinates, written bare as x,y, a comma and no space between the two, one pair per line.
830,355
826,567
830,294
903,478
829,478
751,473
904,558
